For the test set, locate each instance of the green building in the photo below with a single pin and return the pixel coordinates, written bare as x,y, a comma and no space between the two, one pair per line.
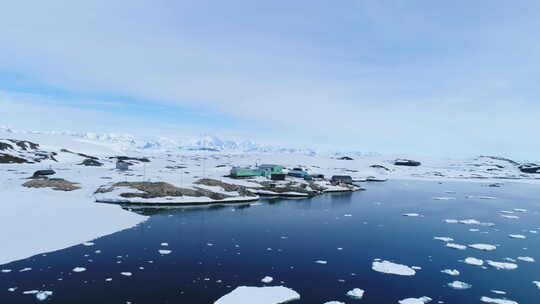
263,170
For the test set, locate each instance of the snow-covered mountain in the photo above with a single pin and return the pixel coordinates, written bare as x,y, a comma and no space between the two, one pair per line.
129,142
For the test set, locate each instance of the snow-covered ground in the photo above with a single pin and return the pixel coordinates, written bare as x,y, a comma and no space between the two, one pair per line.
38,220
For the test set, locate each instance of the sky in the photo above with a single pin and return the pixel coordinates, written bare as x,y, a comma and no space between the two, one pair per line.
444,78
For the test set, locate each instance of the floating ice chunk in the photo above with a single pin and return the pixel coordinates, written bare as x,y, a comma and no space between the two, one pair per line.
108,279
422,300
321,262
88,244
392,268
507,212
520,210
43,295
486,247
347,215
526,259
79,269
334,302
533,231
475,222
456,246
356,293
12,289
443,238
25,269
474,230
498,292
164,251
267,280
259,295
444,198
510,259
474,261
416,267
127,274
517,236
481,197
497,301
514,217
31,291
164,244
537,283
451,221
6,270
452,272
459,285
411,214
502,265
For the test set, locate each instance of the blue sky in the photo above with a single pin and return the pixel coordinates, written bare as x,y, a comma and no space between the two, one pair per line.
451,78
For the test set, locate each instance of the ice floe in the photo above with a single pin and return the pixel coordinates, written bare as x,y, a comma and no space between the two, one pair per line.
321,262
473,261
456,246
497,301
411,214
267,280
520,210
502,265
25,269
6,270
422,300
459,285
537,283
443,238
392,268
451,221
164,244
526,259
444,198
260,295
334,302
517,236
513,217
356,293
88,244
127,274
164,251
79,269
500,292
475,222
43,295
452,272
485,247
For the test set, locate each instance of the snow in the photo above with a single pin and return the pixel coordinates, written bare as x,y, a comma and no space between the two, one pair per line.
456,246
392,268
267,280
497,301
79,269
459,285
421,300
502,265
259,295
485,247
452,272
356,293
474,261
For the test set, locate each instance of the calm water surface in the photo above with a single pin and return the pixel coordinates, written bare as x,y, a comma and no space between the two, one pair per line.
217,249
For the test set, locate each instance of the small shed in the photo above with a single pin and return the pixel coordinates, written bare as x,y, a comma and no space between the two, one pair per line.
277,176
298,173
344,179
122,165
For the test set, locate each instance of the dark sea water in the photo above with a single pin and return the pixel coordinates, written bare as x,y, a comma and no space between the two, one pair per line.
217,249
